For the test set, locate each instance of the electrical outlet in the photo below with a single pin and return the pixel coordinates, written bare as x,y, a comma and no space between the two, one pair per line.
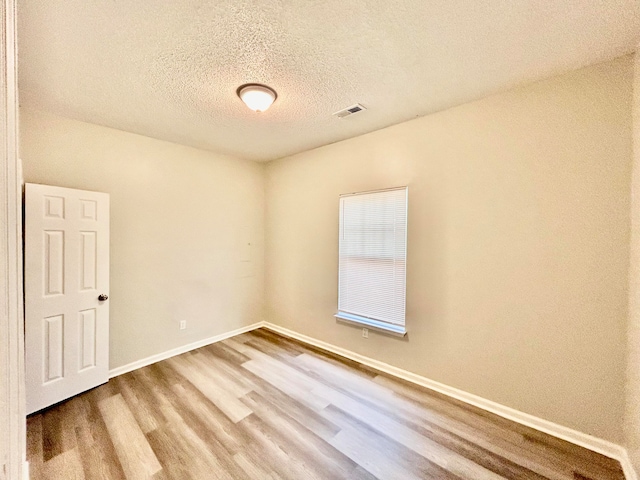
365,333
183,324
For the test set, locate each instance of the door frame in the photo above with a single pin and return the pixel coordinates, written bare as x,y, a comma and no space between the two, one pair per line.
12,403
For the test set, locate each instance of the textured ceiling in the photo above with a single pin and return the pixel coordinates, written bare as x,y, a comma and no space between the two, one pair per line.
170,69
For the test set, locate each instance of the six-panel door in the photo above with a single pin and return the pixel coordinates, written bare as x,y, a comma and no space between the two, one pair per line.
66,270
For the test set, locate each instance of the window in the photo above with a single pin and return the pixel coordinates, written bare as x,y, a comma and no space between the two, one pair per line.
372,263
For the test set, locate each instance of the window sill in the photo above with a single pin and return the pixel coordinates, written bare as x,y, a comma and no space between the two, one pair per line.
383,327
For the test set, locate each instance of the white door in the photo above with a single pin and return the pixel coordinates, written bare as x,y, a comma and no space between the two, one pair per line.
66,288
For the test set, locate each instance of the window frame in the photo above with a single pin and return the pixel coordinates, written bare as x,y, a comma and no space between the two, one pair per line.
364,320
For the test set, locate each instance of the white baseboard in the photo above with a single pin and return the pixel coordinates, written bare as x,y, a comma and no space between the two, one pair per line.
596,444
177,351
627,466
25,470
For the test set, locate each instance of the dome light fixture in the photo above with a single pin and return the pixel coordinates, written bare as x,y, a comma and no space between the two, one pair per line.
257,97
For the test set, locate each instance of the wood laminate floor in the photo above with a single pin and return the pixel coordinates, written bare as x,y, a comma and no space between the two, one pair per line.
260,406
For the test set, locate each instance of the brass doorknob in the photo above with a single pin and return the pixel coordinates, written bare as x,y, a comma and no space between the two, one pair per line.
103,297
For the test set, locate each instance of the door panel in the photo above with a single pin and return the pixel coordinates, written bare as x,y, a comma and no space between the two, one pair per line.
54,348
66,269
54,262
87,338
88,262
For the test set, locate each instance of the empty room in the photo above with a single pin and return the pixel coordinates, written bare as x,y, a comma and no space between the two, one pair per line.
300,239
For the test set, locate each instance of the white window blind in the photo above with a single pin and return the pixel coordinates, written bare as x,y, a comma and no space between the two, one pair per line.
372,263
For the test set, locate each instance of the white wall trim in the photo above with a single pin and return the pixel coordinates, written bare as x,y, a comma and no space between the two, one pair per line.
632,435
596,444
627,465
179,350
12,405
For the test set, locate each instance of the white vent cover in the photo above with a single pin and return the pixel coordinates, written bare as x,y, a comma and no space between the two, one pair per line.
357,108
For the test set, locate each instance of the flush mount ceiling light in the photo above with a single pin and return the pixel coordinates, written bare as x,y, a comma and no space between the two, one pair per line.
257,97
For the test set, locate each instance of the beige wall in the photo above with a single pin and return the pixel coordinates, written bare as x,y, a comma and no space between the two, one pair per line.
632,423
517,248
178,218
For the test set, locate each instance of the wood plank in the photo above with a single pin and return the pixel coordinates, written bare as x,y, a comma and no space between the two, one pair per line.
184,455
318,454
217,373
142,410
432,451
98,455
265,447
224,352
52,433
371,452
224,400
490,451
254,470
133,450
67,465
35,453
198,424
285,404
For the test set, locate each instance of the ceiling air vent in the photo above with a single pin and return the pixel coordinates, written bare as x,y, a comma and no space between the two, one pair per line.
349,111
